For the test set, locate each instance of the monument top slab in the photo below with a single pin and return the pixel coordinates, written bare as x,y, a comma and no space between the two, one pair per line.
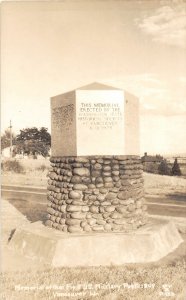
95,119
97,86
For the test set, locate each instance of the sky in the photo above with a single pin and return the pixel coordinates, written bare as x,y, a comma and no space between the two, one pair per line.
48,48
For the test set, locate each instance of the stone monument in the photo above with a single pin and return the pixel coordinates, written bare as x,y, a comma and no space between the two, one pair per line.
95,182
96,210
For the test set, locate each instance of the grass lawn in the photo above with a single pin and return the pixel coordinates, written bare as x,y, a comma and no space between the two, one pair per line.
161,184
125,282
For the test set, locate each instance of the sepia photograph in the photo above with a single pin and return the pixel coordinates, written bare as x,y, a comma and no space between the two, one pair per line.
93,150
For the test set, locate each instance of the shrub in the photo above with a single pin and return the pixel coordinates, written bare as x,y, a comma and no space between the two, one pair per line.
42,168
164,168
151,167
176,169
12,166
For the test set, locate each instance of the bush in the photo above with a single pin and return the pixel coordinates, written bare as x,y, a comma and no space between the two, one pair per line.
42,168
164,168
151,167
12,166
176,169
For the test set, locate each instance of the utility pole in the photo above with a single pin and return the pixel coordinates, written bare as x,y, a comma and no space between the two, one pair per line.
10,139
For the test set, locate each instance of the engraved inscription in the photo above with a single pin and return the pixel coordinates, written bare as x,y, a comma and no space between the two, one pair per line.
63,117
98,116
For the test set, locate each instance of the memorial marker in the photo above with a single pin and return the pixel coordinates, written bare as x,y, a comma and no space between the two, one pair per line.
95,187
95,120
96,179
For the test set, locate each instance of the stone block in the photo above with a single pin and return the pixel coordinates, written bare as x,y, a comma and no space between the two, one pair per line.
72,124
55,248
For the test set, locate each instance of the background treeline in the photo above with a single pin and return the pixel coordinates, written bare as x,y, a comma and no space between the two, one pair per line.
30,141
164,168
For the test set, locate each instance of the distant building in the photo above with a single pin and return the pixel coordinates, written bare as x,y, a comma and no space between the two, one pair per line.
151,162
150,158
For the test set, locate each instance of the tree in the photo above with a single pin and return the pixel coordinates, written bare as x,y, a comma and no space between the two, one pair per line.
163,168
5,139
176,168
34,141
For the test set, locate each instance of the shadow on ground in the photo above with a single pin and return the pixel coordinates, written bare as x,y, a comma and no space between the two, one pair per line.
33,211
177,196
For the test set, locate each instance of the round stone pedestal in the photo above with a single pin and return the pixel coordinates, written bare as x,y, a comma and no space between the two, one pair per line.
96,194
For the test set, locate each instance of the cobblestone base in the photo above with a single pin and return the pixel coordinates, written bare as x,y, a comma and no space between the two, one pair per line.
96,193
